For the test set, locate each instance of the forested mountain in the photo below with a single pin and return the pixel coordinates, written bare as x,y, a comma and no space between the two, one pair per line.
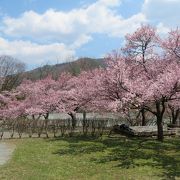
74,67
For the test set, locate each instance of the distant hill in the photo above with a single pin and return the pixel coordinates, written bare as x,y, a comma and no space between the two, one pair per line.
74,67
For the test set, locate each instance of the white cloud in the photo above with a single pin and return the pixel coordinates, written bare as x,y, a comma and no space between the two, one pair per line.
161,29
58,34
67,27
32,53
166,12
82,39
128,25
110,2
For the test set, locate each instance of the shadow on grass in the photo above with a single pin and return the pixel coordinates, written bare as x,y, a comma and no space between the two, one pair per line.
76,138
80,144
129,153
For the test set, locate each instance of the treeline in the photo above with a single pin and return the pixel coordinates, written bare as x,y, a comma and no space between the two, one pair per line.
140,80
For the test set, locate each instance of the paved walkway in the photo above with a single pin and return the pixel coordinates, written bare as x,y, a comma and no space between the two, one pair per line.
6,151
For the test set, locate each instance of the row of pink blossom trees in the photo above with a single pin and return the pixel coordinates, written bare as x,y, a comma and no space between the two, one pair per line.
143,77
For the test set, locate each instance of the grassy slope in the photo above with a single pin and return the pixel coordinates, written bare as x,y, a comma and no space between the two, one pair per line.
82,158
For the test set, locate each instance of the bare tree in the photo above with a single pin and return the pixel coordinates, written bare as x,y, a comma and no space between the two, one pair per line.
11,71
72,67
44,71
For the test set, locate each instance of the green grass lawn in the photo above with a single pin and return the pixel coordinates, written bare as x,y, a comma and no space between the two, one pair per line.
88,158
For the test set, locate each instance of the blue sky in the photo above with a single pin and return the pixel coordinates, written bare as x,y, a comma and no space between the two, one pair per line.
50,31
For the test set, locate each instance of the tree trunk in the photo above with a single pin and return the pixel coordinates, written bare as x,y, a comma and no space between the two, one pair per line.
84,115
175,114
46,117
160,136
84,121
143,117
74,120
160,107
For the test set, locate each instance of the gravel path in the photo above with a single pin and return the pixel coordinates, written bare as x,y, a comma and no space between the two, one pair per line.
6,151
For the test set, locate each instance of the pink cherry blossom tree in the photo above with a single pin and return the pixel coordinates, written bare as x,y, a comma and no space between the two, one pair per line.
78,94
171,47
141,44
171,44
40,98
141,47
147,80
122,92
